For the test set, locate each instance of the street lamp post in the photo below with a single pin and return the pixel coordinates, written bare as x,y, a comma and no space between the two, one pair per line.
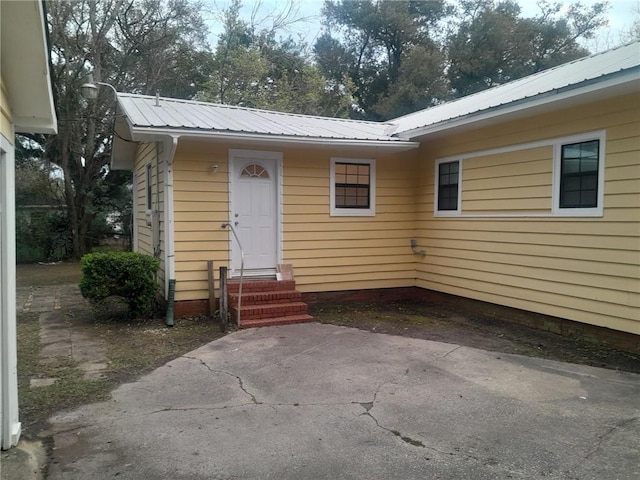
89,89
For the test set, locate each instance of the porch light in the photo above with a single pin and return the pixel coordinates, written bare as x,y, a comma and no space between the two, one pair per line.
89,89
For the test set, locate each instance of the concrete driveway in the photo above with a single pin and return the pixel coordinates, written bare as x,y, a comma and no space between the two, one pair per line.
323,402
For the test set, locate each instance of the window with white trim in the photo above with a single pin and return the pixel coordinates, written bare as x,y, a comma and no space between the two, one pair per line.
448,186
578,176
353,187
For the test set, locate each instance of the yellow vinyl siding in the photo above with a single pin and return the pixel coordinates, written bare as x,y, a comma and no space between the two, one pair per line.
201,205
508,182
145,156
584,269
148,154
581,268
327,253
6,119
343,253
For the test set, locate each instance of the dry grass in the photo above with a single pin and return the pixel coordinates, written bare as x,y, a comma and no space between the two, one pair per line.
37,274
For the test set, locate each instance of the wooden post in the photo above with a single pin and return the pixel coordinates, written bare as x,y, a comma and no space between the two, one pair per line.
224,299
212,292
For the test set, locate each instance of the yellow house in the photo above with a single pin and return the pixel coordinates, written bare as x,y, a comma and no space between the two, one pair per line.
26,105
526,195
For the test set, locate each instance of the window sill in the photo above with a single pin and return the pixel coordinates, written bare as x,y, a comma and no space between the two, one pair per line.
352,212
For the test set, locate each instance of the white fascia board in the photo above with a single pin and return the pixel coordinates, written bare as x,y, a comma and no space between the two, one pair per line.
46,125
624,83
147,134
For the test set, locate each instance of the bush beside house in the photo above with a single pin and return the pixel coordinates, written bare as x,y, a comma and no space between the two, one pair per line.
128,275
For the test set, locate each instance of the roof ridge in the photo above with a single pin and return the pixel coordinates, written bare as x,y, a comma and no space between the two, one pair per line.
250,109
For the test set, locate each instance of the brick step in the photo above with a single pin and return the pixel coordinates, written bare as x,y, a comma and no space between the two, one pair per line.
262,298
254,286
273,310
269,322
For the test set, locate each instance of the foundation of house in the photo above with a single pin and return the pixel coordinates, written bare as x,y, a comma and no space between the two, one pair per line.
611,338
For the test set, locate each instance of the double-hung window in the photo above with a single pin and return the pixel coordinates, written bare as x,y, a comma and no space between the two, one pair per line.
353,187
448,187
561,176
579,176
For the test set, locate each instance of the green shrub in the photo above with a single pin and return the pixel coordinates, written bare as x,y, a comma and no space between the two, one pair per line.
128,275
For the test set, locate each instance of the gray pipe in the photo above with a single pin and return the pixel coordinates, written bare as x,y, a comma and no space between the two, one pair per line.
170,301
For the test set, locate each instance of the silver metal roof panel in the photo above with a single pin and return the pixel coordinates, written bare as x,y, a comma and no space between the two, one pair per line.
566,76
143,112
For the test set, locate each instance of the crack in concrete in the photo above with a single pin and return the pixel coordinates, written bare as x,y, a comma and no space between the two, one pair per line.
368,406
450,352
404,438
237,377
608,433
189,409
601,440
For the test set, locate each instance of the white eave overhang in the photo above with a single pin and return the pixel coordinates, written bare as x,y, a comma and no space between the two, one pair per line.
24,58
123,159
600,89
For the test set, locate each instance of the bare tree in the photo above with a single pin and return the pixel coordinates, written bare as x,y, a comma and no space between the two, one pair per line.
140,46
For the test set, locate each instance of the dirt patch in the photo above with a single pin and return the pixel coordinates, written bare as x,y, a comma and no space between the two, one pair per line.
478,329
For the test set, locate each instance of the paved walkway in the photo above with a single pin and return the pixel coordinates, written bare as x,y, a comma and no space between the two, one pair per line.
59,337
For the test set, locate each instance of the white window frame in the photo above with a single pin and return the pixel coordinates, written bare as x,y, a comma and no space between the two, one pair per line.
353,212
596,211
447,213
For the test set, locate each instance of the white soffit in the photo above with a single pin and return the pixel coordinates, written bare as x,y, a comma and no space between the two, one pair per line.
24,65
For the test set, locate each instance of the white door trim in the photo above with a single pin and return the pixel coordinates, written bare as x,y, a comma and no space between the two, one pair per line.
235,154
10,427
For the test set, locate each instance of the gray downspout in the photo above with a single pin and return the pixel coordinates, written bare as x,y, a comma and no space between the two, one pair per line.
170,301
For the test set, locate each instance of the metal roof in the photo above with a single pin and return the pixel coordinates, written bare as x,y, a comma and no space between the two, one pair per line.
615,70
144,112
584,71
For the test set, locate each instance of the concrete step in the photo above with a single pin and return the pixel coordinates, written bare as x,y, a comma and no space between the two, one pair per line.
269,322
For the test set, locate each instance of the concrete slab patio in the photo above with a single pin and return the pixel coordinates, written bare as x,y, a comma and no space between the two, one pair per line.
318,401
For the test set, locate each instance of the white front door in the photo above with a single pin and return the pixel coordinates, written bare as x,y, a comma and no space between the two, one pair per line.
254,210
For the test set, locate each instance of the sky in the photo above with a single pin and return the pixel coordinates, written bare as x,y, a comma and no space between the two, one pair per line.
621,15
